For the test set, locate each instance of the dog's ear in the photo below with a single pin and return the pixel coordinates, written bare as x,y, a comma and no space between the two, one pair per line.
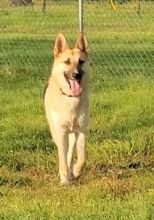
60,44
81,42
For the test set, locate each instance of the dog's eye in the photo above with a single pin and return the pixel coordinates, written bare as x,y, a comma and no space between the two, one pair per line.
81,62
67,61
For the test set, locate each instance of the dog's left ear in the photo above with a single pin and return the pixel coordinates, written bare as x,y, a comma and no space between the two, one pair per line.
81,42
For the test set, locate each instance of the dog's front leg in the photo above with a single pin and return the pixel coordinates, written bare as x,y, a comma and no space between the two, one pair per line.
81,155
62,145
72,141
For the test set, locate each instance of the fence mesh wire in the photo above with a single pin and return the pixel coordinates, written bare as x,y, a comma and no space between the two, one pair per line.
120,33
121,36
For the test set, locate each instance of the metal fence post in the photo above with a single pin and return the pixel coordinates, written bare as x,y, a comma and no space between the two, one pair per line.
43,6
81,15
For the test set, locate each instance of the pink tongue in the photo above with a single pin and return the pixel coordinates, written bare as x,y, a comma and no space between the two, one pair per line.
75,87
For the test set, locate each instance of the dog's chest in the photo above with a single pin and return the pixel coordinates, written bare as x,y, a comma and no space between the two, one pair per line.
75,121
69,117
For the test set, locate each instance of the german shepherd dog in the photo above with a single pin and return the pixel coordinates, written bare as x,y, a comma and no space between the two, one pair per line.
67,104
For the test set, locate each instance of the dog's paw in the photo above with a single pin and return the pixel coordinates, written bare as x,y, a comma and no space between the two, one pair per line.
76,172
71,177
64,182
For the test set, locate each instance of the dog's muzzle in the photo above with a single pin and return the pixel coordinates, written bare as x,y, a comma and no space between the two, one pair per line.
78,75
74,81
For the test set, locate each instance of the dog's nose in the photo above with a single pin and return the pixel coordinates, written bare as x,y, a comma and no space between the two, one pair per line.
77,75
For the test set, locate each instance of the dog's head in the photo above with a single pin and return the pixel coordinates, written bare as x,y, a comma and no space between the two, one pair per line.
70,68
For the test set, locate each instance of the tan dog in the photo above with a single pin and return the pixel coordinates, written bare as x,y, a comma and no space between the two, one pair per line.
66,104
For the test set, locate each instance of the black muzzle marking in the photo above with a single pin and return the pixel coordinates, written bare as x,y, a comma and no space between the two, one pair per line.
78,76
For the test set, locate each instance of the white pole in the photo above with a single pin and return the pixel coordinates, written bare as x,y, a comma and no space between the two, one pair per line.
81,15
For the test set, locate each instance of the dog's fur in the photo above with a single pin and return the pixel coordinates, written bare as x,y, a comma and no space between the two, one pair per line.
67,105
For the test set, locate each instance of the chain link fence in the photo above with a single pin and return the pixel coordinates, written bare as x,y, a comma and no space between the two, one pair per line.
28,34
120,33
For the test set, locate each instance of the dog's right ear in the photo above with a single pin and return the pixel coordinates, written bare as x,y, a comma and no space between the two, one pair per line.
60,44
81,42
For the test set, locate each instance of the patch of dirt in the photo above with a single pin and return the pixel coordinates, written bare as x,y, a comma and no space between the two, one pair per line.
122,179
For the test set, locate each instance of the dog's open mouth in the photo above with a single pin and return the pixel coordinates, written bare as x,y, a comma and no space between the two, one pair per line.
74,86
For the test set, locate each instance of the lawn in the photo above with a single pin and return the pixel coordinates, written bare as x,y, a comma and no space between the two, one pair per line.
118,181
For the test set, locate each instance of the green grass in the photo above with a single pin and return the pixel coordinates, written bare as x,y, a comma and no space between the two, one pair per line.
118,181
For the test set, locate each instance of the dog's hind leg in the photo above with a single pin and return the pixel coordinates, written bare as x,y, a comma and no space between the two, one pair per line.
72,142
81,155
